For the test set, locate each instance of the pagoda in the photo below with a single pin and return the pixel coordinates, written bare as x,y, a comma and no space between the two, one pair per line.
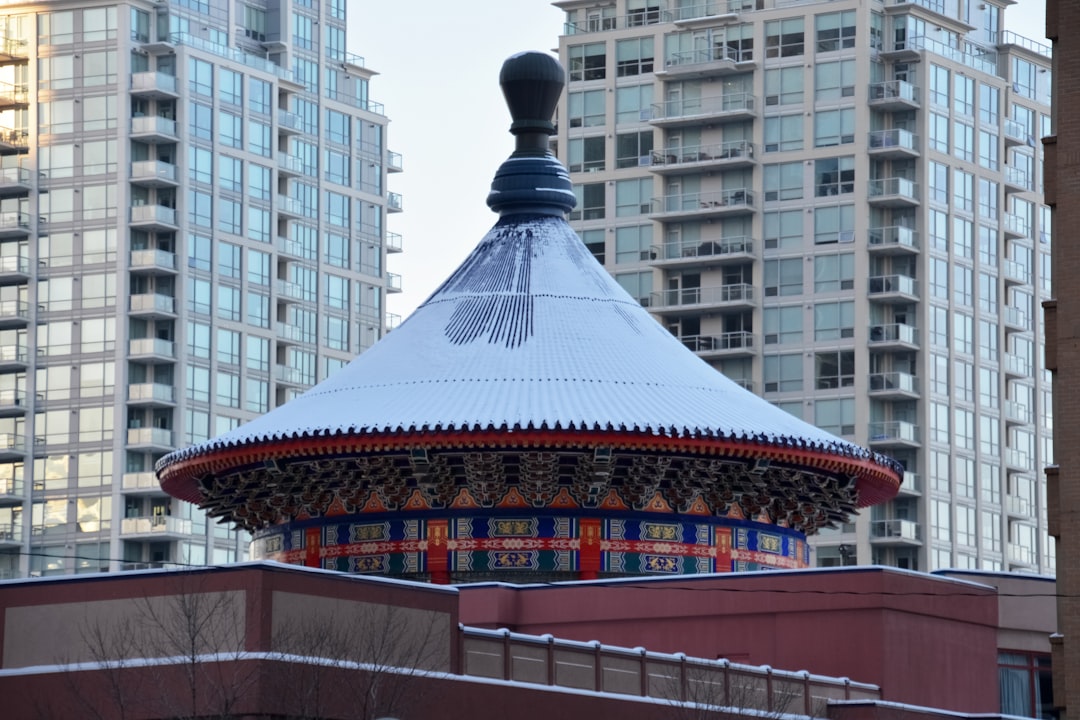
530,421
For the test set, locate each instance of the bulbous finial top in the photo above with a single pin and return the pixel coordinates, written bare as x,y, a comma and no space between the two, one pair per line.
532,180
531,83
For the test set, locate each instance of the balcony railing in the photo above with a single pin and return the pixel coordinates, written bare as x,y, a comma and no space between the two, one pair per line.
154,215
153,82
393,202
1017,178
707,56
894,431
703,201
893,285
897,187
153,302
153,125
737,340
894,236
894,382
895,529
896,138
155,525
735,293
733,150
155,170
1021,555
694,107
894,91
708,249
152,346
1016,225
14,265
146,481
151,392
153,259
161,437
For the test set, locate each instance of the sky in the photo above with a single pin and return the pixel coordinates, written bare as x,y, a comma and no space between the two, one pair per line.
438,65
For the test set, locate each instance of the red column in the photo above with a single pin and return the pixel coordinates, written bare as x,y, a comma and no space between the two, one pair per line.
589,554
312,546
438,551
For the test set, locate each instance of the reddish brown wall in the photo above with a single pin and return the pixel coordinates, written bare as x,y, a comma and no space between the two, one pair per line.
924,640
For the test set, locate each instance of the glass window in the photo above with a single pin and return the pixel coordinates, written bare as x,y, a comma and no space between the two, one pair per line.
939,132
228,346
784,181
230,173
834,369
833,273
632,197
634,57
834,81
590,202
783,133
784,38
228,260
230,216
834,127
259,138
783,325
231,130
201,77
201,121
232,86
198,339
834,176
833,321
783,373
587,154
835,416
783,277
587,62
586,109
259,93
633,149
784,86
257,356
835,223
228,303
835,31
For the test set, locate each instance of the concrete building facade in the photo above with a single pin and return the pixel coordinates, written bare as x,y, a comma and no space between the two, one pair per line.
193,204
839,205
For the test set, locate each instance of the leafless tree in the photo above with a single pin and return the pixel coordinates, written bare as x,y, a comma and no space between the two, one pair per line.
706,690
359,656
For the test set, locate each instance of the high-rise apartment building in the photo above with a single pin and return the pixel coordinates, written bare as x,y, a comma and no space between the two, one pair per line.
192,231
839,205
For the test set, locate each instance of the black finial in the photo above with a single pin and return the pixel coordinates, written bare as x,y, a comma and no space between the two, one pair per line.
532,180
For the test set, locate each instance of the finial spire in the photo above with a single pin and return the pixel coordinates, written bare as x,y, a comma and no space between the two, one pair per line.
532,180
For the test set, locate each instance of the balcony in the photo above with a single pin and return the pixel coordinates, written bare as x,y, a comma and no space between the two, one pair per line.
1016,134
10,536
894,96
710,12
911,485
290,376
289,165
12,446
15,180
393,242
1016,180
289,291
289,248
393,202
893,240
1016,413
1016,226
11,489
894,385
705,63
13,357
895,532
155,527
154,129
13,140
14,224
13,97
896,289
393,162
152,305
12,402
141,483
734,107
14,313
1015,273
291,334
723,156
1021,555
1014,319
153,218
711,252
730,344
1017,461
14,270
151,395
1016,366
703,205
151,349
153,173
736,296
893,144
289,206
152,261
893,192
1017,506
289,123
152,439
154,86
893,433
393,282
13,50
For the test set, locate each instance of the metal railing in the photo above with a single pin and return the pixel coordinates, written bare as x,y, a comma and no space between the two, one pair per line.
732,150
736,293
714,105
893,236
507,656
708,248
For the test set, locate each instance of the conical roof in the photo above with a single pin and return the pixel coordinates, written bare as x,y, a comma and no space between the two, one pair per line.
529,335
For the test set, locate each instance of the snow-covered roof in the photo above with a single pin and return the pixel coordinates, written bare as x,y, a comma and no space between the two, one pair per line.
529,333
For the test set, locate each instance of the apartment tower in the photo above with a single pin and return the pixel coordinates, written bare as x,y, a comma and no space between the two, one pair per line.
193,210
838,204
